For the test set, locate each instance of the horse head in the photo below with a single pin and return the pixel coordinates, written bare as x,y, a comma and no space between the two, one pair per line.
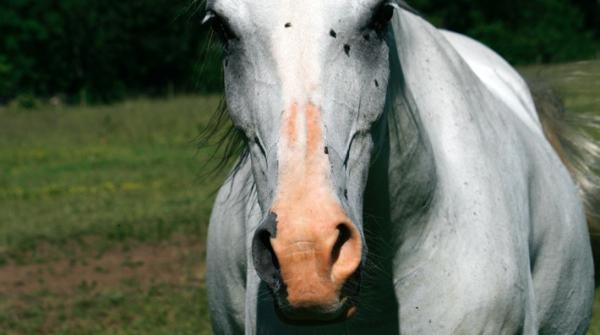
305,81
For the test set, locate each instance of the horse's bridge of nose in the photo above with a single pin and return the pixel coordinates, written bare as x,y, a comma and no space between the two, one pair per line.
314,244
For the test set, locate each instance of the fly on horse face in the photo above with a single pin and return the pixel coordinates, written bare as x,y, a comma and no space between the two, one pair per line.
397,180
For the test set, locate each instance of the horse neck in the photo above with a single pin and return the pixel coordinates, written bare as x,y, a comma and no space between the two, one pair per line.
403,175
402,180
400,186
437,108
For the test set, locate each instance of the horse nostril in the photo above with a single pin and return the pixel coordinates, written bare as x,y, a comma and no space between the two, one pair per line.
344,235
265,260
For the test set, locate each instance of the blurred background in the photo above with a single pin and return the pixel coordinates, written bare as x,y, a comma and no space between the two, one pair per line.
105,192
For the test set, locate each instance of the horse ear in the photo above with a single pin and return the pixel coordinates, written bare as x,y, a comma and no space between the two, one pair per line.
403,5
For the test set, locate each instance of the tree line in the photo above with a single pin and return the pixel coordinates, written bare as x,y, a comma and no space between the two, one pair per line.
102,50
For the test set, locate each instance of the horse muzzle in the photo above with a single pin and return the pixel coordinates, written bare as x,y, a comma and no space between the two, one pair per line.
312,269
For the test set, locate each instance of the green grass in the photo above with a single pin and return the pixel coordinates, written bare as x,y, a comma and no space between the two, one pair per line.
128,170
578,83
103,212
161,309
80,182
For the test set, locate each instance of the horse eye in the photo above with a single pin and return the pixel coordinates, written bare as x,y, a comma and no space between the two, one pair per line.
383,15
220,26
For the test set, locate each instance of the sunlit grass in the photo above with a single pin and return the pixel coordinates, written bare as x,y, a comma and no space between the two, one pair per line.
95,179
114,171
578,83
161,309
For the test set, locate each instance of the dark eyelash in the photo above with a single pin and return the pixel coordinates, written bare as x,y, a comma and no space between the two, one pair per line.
382,16
220,26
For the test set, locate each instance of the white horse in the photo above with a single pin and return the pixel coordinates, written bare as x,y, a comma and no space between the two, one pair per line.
397,181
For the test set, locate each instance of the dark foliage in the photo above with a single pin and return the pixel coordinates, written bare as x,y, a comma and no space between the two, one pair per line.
101,50
524,31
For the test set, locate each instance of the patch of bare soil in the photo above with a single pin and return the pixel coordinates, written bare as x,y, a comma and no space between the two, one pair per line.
179,261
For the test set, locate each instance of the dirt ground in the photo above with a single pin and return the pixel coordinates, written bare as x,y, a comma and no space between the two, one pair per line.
179,261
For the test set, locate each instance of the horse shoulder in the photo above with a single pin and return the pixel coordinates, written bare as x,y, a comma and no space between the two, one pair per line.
561,262
553,198
226,252
562,265
508,228
470,251
471,256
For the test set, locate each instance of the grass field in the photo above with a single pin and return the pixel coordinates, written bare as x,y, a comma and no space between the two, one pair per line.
103,212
